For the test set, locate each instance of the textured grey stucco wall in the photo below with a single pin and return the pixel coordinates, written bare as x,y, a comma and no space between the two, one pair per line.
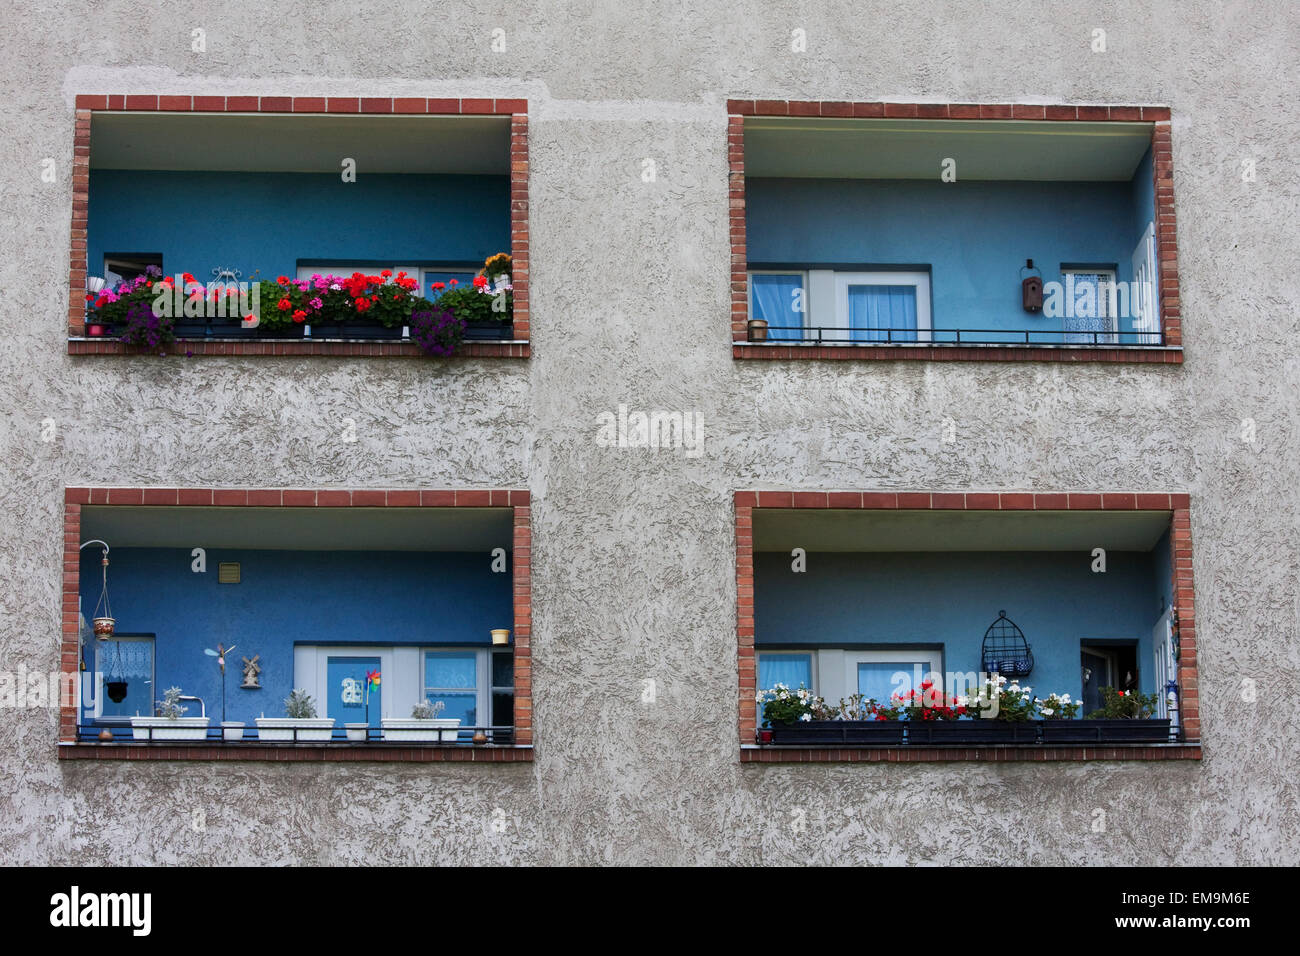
633,567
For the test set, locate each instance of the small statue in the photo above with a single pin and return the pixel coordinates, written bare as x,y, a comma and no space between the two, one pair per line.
251,670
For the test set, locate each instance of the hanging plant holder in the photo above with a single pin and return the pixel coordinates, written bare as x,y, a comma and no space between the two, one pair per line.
103,622
1004,650
116,690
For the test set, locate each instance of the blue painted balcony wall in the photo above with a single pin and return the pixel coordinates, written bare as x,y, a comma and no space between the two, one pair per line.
270,222
291,597
950,598
974,236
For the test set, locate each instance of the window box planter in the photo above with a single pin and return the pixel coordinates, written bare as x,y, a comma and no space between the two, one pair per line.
421,731
295,729
232,730
973,731
1104,731
169,728
355,330
830,733
356,732
491,331
230,328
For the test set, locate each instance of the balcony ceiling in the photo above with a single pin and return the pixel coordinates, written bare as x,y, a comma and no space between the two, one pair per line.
306,143
831,530
301,529
915,149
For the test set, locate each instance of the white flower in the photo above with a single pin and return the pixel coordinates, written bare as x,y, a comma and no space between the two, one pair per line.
1065,699
1048,712
806,717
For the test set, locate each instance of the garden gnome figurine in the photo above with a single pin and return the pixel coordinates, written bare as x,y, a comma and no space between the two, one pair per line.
251,670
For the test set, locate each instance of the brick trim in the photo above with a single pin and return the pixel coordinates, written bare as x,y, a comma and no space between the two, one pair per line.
1177,504
753,754
272,347
86,104
1168,292
517,500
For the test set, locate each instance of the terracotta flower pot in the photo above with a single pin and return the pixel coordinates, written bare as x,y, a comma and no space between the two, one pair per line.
758,330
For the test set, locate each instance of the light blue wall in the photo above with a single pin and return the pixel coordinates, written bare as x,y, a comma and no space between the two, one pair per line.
975,236
1143,196
286,598
951,598
270,221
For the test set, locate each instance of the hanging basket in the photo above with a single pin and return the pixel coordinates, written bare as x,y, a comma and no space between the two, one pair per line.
116,690
1004,650
104,627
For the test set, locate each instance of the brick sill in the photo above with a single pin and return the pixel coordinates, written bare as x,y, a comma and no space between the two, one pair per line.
1143,355
297,753
513,348
922,753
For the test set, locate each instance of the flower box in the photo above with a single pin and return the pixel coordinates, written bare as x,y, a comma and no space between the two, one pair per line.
169,728
831,733
231,328
444,730
295,729
972,731
1105,731
489,331
355,330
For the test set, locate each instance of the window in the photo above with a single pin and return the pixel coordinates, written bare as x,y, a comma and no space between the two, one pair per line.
120,268
779,298
883,306
452,677
786,667
879,674
1090,305
124,678
835,306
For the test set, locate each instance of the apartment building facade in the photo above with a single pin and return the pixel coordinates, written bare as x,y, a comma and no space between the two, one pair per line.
853,355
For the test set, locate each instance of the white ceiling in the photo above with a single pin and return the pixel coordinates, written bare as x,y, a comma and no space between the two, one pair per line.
306,143
916,149
301,529
831,530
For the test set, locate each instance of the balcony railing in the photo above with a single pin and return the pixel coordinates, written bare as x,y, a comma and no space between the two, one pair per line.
1033,338
214,735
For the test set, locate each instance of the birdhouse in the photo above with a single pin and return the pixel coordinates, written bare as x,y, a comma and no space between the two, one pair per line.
1031,294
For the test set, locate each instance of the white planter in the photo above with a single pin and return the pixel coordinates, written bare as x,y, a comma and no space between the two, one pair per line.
169,728
357,732
232,729
283,728
421,731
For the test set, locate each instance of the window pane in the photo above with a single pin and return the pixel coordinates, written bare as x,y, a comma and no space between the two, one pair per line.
882,313
454,669
503,670
1087,318
789,669
880,679
125,668
503,710
430,277
457,704
775,300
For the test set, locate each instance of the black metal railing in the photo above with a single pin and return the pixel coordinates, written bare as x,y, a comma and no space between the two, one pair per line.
339,736
1033,338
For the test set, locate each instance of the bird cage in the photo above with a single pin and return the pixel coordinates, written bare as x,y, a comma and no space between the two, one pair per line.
1004,650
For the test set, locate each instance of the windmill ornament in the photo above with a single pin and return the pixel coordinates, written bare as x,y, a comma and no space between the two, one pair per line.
220,654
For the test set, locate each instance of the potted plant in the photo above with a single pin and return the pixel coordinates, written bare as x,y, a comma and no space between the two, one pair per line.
487,305
170,722
1125,717
758,330
300,722
423,725
799,718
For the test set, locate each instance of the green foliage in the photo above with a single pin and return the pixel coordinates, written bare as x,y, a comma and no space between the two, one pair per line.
781,705
1124,705
1058,707
468,303
299,705
427,710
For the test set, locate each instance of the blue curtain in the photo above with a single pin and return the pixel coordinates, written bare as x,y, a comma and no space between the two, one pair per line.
774,302
789,669
882,313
